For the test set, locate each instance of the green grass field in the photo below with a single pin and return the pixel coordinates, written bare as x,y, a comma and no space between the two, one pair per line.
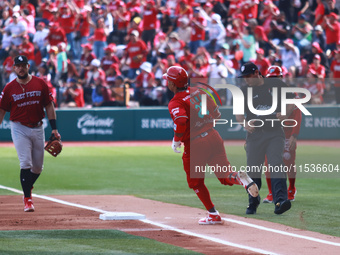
157,173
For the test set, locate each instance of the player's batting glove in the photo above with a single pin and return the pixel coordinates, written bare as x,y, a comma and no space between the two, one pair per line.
176,145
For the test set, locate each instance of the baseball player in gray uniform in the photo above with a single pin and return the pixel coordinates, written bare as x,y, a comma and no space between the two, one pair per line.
266,140
25,98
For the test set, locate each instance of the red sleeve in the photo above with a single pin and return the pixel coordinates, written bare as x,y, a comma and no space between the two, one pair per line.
296,116
5,100
177,111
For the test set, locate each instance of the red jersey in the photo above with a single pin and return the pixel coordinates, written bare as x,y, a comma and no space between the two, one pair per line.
150,19
123,24
83,25
26,105
29,7
79,3
142,80
197,33
186,60
86,60
99,35
319,71
56,36
67,22
46,11
333,35
27,50
106,62
335,68
187,104
320,10
250,12
79,98
135,49
295,115
8,64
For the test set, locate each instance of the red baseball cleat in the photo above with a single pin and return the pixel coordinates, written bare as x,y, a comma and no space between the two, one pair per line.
28,204
291,194
268,198
211,219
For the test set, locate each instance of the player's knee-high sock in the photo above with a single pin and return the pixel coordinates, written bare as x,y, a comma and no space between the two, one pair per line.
291,183
34,177
26,181
203,194
269,184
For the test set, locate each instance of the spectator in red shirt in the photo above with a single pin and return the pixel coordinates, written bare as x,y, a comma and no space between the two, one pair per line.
319,13
74,94
335,75
187,60
86,59
82,29
56,35
313,84
66,19
149,22
109,57
332,30
111,74
135,52
44,74
45,10
100,34
198,25
250,9
25,5
27,49
121,19
318,68
262,62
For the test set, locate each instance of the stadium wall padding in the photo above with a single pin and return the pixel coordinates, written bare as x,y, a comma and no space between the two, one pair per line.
121,124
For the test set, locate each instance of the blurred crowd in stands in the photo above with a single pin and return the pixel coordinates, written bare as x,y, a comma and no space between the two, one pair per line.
113,53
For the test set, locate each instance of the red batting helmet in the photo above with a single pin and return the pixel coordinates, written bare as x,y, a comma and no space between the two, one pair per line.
274,71
177,75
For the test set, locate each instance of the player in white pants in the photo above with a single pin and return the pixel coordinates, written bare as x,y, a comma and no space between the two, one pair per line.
25,98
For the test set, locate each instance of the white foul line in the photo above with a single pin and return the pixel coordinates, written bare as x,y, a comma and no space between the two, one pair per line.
188,232
167,227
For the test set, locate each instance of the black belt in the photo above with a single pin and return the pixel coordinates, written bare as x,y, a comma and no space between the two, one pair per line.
32,125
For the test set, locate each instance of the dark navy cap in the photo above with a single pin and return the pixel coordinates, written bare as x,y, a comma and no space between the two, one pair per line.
248,68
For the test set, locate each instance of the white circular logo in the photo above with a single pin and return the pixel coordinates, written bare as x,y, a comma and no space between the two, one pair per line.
20,58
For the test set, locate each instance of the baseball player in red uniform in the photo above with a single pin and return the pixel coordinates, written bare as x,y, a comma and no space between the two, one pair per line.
25,98
291,134
202,143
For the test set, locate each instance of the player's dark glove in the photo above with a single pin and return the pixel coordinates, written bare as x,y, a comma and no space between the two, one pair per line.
54,146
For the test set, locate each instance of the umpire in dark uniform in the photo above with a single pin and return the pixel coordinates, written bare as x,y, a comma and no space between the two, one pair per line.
267,140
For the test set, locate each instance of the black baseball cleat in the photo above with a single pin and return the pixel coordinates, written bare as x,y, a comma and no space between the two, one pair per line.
251,209
281,207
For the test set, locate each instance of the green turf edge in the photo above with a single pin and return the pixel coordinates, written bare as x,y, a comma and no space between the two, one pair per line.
82,242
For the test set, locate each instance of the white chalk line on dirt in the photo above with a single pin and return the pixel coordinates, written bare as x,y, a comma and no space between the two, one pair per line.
188,232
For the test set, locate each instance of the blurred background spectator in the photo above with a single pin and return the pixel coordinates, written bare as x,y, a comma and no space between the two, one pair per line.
117,51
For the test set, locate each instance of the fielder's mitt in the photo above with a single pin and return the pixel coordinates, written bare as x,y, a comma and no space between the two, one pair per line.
54,146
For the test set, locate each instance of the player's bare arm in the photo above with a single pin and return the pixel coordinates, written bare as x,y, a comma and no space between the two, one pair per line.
51,115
